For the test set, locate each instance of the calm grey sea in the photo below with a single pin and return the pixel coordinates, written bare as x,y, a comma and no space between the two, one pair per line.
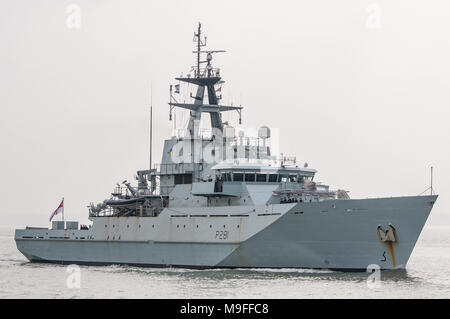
427,276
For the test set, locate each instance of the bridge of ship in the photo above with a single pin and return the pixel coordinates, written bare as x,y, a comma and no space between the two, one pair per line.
229,177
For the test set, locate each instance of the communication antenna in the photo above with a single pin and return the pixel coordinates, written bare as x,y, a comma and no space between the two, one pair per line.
200,43
151,125
431,184
171,107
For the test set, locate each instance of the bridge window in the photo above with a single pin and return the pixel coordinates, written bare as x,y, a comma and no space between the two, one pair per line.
183,179
238,177
249,177
261,177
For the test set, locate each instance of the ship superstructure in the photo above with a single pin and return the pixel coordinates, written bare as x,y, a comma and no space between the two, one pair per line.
222,199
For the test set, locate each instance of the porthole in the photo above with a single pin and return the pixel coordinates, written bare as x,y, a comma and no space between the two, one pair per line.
197,226
139,226
153,226
210,226
178,226
128,226
114,226
223,226
106,225
237,226
114,237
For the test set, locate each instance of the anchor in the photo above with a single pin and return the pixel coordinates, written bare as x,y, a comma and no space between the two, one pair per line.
388,237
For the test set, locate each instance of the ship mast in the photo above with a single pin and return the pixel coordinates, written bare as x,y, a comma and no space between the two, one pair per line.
199,44
151,135
205,79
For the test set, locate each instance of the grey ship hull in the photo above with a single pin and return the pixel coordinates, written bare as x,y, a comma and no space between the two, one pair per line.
222,202
333,234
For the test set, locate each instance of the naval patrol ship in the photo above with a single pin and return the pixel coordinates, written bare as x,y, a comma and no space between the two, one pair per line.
220,198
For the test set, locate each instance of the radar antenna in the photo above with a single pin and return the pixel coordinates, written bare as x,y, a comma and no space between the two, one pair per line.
202,43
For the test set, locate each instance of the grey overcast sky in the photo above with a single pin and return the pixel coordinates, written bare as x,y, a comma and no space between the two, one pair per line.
359,89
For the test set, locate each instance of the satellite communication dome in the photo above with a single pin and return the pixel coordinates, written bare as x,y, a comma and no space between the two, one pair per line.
264,132
229,131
